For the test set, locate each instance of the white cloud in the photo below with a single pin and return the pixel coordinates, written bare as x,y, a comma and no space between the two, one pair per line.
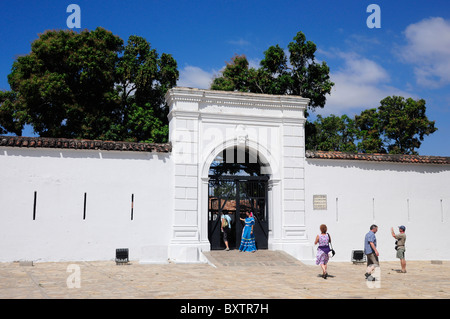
362,70
428,48
195,77
360,84
254,63
239,42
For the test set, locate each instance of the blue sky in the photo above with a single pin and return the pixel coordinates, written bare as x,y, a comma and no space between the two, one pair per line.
408,56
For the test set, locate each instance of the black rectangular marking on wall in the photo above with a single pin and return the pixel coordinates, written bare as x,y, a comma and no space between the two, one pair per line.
337,209
34,205
84,206
132,206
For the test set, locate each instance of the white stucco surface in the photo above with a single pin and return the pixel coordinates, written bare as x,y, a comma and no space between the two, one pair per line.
60,179
362,193
170,190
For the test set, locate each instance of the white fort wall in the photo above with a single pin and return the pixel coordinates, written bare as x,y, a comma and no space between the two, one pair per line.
62,229
362,193
358,194
169,184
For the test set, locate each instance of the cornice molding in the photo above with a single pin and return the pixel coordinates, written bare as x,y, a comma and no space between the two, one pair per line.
237,99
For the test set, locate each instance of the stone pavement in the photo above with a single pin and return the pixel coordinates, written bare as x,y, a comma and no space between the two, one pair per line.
228,275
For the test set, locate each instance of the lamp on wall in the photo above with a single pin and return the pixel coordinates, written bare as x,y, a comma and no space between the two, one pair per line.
121,256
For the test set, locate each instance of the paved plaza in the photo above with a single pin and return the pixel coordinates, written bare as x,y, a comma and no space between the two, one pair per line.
228,275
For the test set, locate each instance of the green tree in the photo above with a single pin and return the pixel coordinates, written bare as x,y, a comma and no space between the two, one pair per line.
332,133
143,80
397,126
235,76
404,124
9,119
299,74
65,86
89,85
369,132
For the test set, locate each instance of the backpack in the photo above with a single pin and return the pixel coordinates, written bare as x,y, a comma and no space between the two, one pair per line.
224,221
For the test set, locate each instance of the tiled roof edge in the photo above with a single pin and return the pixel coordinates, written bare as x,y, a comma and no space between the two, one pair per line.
62,143
396,158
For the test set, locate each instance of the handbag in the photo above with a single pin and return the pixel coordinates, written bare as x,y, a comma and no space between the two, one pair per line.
332,252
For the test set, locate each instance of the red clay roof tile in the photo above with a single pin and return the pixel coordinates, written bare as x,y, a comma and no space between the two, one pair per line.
45,142
399,158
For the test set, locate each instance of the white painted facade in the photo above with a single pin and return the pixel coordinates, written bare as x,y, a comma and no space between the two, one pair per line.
203,123
362,193
62,230
170,190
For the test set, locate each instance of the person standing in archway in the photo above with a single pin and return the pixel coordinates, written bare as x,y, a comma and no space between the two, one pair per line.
248,236
225,227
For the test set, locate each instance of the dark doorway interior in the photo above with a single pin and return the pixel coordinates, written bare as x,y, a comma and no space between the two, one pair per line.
237,185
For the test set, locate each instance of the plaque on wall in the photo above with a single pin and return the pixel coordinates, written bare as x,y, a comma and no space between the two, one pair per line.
320,202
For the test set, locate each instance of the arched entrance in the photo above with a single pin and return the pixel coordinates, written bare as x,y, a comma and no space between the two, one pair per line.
237,184
270,131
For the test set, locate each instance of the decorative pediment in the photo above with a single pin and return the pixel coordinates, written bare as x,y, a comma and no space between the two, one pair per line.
221,99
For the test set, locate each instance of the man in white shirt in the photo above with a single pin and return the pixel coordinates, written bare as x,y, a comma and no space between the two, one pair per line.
225,227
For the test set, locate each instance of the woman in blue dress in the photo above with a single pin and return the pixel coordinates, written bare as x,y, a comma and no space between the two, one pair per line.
248,237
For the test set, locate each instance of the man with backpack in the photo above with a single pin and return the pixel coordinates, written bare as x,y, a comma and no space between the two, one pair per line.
225,227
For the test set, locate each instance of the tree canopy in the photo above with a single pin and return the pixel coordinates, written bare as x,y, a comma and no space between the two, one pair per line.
397,126
92,85
89,85
299,74
332,133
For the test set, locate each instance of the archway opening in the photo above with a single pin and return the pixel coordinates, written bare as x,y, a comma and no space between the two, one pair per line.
237,183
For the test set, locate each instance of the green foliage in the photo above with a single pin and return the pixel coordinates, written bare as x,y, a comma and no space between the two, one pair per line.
332,133
9,119
397,127
235,76
369,132
89,85
404,123
143,80
299,75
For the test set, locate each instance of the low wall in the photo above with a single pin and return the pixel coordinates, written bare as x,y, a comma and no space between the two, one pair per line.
75,205
361,193
80,201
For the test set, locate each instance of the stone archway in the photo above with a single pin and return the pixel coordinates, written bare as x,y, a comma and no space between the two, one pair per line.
203,123
237,184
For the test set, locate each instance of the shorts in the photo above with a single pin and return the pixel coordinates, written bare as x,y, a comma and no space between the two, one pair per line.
401,253
372,259
226,232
